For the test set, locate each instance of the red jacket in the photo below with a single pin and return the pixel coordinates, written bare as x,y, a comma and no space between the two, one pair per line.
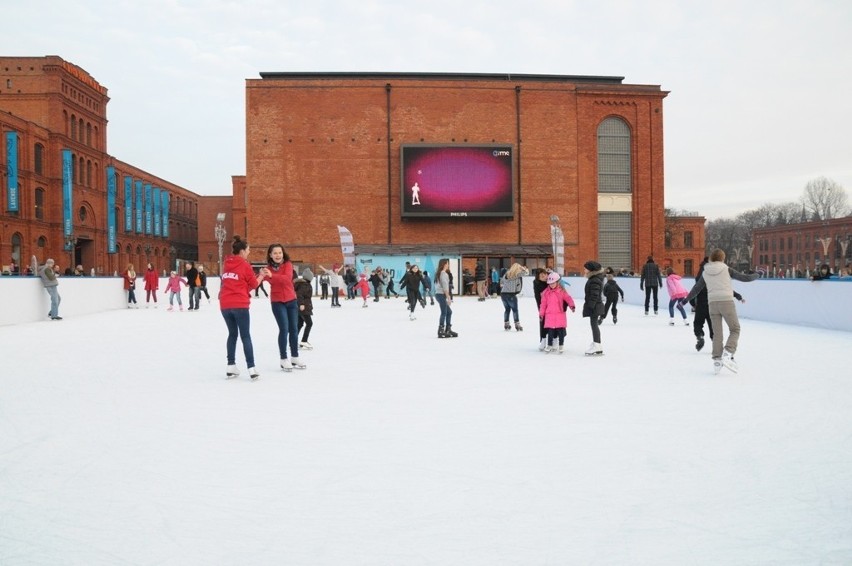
152,280
238,279
281,289
128,280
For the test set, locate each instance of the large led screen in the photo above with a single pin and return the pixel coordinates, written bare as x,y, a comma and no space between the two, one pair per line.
457,181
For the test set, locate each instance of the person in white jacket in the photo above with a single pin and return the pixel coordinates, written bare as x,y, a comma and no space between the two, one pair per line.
720,299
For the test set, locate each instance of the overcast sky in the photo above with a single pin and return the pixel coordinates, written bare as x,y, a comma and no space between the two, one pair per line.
760,92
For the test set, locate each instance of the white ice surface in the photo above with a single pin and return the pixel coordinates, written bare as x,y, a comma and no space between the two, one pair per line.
122,443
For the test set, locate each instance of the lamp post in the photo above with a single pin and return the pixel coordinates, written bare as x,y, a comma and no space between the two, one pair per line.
220,233
70,244
557,239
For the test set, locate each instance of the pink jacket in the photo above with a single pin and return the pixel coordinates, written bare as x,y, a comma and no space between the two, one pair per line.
676,290
551,307
173,284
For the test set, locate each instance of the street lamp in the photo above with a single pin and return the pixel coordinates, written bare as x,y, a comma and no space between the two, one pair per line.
557,239
220,234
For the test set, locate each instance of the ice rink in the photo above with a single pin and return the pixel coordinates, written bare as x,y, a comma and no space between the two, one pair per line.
122,443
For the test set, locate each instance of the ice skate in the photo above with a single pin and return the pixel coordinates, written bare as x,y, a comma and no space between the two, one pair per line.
411,316
547,348
253,374
595,349
728,361
717,367
699,344
306,346
542,344
614,319
286,365
685,322
507,326
450,333
297,363
671,322
231,372
518,327
561,349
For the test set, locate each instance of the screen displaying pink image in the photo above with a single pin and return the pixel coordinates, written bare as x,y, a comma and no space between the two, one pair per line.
457,181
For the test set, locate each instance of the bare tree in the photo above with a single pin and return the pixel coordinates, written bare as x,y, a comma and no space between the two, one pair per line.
825,199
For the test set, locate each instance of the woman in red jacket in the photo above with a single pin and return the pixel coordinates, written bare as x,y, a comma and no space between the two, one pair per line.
238,279
152,281
285,307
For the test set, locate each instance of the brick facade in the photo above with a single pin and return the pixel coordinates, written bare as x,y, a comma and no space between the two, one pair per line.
685,244
52,105
795,250
324,149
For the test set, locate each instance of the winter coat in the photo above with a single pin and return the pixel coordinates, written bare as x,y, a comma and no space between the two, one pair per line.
281,283
362,286
412,281
238,279
129,280
48,276
152,280
650,275
716,278
203,276
611,290
173,284
675,289
304,295
552,308
538,288
479,273
593,303
190,275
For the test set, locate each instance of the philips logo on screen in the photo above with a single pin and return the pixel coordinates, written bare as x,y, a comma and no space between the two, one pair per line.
501,153
458,214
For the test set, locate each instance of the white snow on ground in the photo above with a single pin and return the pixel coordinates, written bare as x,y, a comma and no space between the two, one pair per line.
122,443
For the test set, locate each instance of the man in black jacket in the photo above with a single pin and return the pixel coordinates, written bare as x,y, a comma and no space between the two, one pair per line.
651,281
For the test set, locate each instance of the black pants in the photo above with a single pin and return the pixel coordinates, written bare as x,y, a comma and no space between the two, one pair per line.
324,287
307,321
614,302
648,290
702,315
596,330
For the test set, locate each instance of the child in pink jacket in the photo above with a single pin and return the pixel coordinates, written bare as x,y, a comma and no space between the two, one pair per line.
364,287
173,287
552,311
677,294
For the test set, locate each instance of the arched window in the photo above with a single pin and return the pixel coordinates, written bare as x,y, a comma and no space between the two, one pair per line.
17,239
38,164
614,175
81,170
73,127
88,173
65,120
81,131
88,134
97,142
39,203
615,224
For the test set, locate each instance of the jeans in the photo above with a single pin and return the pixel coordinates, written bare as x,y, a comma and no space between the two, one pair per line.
510,304
238,322
335,296
446,311
55,299
194,297
679,304
172,295
287,317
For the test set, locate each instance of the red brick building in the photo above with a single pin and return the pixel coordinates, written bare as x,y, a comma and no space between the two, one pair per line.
685,245
792,250
54,124
326,149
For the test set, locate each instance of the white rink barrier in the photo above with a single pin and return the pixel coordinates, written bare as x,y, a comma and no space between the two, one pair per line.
819,304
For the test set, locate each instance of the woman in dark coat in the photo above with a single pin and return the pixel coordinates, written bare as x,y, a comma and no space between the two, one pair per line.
593,307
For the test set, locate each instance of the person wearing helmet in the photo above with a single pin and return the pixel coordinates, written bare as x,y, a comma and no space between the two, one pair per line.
552,311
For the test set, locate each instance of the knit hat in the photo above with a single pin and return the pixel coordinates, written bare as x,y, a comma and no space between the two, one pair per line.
592,265
553,277
307,274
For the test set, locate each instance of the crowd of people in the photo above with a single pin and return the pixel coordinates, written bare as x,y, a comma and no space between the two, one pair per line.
291,294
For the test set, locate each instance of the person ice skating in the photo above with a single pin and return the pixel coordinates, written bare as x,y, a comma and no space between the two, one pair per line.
192,279
824,272
377,282
444,296
50,280
390,286
554,299
677,295
129,277
539,285
415,195
481,279
238,280
650,281
412,281
285,308
173,287
593,306
323,281
336,281
427,288
611,292
363,287
511,284
202,283
716,277
152,282
304,297
702,310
